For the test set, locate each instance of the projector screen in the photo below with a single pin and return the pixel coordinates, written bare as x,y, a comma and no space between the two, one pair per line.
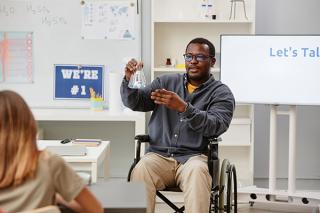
272,69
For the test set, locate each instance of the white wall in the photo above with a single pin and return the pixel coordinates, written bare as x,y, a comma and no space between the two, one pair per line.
146,37
288,17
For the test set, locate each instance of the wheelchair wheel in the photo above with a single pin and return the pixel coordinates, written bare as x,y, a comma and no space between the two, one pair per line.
232,199
228,182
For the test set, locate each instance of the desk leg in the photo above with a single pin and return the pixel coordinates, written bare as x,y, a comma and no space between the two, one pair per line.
94,172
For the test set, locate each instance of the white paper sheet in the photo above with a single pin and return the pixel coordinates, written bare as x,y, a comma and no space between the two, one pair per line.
108,20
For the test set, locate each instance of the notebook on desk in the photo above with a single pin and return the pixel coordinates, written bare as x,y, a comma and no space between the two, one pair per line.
68,150
87,142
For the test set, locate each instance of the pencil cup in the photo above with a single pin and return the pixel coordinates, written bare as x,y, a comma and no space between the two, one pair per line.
96,104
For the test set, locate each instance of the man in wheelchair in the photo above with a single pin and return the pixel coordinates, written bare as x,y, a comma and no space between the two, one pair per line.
187,109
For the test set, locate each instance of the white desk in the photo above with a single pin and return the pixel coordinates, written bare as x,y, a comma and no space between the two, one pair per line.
95,157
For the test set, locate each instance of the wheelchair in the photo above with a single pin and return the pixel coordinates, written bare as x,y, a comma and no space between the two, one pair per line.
223,196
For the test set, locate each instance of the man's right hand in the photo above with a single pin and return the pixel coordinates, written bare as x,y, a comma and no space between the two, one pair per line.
131,67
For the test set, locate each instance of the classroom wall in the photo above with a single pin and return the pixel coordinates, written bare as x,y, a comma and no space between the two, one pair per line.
288,17
146,37
146,44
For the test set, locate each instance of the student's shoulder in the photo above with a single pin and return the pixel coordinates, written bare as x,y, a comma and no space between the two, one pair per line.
51,159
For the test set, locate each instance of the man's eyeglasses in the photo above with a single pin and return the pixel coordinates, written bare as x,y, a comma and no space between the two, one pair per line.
199,57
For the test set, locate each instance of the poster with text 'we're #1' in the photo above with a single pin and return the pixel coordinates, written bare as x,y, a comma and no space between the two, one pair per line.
16,58
78,81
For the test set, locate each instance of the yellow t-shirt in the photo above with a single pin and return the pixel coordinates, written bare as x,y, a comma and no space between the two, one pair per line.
191,88
53,176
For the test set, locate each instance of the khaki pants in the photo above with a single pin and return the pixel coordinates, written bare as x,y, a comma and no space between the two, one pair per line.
193,178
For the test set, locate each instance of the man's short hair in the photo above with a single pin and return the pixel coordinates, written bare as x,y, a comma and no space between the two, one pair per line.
212,50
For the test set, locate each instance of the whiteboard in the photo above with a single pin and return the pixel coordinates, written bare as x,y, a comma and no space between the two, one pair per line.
272,69
57,39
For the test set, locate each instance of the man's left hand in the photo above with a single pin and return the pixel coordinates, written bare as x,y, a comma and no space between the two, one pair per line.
169,99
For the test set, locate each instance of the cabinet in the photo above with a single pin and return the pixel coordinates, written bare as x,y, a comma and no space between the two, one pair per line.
174,24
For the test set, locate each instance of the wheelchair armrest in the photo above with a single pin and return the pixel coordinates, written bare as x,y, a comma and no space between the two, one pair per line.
213,160
142,138
213,147
214,140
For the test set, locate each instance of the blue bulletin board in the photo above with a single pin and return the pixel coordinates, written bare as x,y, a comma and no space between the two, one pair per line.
74,81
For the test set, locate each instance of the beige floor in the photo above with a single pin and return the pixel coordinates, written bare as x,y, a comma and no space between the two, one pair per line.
162,208
242,208
262,207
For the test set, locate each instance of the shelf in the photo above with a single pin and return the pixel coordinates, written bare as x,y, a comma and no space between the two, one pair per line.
226,21
173,69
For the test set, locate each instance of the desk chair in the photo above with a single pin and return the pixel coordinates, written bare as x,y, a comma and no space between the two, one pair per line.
222,199
47,209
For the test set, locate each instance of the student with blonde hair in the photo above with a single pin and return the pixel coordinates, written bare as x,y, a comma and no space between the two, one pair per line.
30,178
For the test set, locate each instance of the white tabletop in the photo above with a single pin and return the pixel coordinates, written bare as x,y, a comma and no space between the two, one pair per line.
92,155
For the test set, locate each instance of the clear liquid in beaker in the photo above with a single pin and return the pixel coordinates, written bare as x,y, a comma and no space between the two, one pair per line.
137,80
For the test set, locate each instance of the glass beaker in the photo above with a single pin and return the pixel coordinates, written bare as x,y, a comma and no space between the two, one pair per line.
137,80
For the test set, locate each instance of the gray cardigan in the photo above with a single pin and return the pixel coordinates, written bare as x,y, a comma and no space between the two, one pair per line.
182,135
